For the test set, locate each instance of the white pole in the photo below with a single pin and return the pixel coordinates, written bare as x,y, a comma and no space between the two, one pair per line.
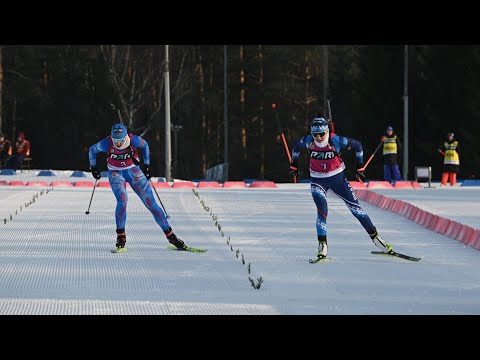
225,108
405,118
168,144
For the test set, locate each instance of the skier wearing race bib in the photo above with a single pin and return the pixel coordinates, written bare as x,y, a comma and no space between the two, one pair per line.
327,172
123,166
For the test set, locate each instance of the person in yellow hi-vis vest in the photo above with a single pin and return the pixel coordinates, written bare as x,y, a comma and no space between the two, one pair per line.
391,148
451,160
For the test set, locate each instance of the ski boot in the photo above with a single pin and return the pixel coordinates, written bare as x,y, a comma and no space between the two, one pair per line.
173,239
379,242
121,238
322,247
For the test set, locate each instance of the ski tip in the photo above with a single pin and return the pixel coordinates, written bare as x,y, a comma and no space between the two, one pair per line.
118,250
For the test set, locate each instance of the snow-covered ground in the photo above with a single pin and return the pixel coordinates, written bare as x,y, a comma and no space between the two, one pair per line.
55,259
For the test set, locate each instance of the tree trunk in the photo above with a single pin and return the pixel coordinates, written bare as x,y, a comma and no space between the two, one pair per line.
1,91
242,103
14,118
202,112
45,75
262,111
307,75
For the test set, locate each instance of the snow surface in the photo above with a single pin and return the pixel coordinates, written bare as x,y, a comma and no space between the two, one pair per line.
55,259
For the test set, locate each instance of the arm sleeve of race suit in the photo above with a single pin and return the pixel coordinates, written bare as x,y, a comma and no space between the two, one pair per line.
101,146
299,146
138,142
341,142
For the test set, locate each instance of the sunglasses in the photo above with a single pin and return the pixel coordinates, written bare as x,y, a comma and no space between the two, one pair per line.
116,141
321,134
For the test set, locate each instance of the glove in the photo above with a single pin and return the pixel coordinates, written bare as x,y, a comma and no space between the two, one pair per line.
360,171
361,174
294,168
95,172
146,171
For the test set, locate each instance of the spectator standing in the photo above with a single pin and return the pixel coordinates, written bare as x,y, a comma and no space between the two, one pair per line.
451,160
391,148
21,150
5,150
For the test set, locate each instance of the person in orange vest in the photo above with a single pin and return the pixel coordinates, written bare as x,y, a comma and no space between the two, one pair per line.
22,150
451,160
5,149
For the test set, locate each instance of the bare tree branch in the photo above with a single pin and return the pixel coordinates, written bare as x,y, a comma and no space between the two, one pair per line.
180,73
134,74
19,75
146,129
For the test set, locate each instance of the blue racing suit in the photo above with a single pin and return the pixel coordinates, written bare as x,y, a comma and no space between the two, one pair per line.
123,168
327,172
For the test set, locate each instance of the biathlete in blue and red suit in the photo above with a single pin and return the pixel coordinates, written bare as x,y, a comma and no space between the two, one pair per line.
327,172
123,166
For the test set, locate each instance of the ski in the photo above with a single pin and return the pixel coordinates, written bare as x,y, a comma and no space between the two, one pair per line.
318,261
118,250
396,254
187,248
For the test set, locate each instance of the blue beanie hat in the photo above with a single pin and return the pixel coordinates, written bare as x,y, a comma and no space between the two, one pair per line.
319,125
119,131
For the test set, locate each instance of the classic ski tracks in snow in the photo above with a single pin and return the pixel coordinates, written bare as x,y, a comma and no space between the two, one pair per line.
35,197
256,283
54,259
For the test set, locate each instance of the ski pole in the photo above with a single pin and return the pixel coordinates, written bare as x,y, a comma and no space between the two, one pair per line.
286,148
274,107
371,157
163,207
368,162
289,156
94,186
